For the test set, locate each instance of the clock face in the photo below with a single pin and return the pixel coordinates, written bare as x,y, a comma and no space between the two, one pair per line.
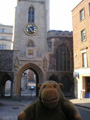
30,29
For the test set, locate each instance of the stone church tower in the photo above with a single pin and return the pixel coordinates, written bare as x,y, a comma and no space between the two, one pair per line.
30,43
48,54
31,25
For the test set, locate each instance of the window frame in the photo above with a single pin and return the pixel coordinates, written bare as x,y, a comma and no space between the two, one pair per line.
82,14
83,35
30,43
63,59
2,30
84,59
89,8
2,46
31,14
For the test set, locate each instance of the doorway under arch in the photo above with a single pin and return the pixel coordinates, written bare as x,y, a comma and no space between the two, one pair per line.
37,71
66,85
28,83
5,85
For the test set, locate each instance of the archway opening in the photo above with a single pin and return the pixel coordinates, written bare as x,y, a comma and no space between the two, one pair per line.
29,79
5,85
8,88
37,73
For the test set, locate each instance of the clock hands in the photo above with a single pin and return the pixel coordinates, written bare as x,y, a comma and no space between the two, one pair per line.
30,29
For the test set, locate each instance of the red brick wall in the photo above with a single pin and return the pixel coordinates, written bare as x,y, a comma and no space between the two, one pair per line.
78,26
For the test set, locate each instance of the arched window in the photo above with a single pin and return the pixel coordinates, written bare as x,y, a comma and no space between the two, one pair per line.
30,43
63,58
31,15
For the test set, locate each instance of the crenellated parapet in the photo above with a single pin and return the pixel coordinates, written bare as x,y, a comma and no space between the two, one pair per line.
32,0
59,33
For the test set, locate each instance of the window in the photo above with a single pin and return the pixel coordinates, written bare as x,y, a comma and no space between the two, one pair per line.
63,58
31,15
82,14
2,47
2,30
49,45
3,38
84,59
89,8
30,43
83,35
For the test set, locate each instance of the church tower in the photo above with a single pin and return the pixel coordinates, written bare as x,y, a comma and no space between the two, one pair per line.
30,40
31,26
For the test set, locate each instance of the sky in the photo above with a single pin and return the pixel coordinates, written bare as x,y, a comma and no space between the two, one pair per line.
60,13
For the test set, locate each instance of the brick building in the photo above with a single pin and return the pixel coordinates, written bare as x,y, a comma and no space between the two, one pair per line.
81,44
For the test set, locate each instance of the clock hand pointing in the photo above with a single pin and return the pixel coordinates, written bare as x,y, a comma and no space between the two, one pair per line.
30,29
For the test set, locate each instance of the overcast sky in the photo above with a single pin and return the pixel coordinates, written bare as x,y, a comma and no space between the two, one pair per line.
60,13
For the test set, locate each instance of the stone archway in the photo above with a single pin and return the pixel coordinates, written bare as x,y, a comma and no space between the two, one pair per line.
36,69
4,78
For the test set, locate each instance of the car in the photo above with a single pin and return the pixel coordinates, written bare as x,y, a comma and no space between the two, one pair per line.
31,88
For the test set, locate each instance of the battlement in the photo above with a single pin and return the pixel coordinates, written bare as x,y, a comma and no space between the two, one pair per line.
59,33
33,0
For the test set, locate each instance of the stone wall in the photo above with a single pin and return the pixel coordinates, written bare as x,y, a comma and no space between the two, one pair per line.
6,60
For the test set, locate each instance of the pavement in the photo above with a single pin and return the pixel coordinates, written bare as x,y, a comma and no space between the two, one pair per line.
85,102
10,108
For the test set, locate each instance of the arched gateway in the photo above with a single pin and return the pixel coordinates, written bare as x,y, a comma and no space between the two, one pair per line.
36,69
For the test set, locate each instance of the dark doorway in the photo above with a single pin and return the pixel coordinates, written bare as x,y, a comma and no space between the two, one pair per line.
5,85
66,85
87,87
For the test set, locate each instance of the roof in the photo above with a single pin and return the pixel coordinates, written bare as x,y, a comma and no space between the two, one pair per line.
78,4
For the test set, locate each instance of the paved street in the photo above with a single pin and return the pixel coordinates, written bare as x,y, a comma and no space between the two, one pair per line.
10,108
85,113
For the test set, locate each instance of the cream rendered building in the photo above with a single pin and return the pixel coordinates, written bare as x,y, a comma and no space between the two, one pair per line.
6,33
30,43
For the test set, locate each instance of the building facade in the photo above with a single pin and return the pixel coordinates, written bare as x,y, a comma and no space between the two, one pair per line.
30,39
60,53
81,44
6,34
49,55
6,72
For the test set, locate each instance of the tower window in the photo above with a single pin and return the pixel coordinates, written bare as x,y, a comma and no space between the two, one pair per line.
49,45
31,15
30,43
